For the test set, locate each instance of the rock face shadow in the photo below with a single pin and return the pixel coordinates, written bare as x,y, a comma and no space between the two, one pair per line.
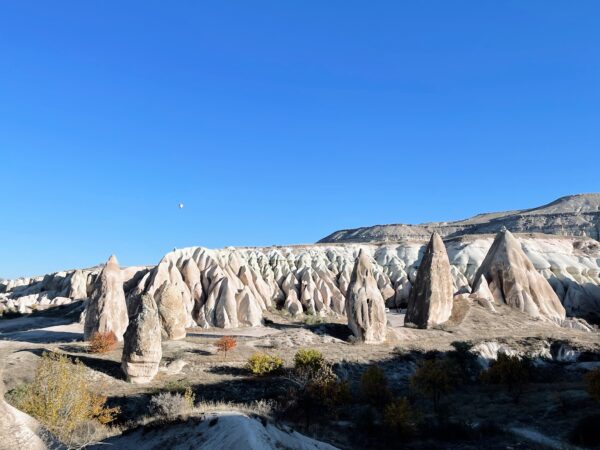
228,370
41,336
105,366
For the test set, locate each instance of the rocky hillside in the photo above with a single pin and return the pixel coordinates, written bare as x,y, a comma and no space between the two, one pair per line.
231,287
574,215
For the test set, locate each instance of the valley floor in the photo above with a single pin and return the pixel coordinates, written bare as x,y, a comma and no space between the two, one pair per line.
548,409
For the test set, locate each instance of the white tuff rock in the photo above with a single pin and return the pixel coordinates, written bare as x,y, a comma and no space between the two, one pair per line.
106,310
431,297
172,312
365,305
142,349
513,280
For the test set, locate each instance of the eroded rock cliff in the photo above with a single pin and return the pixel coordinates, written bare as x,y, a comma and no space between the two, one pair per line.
315,278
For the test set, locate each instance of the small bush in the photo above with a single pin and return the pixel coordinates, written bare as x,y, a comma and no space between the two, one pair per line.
60,398
169,406
434,379
317,389
225,344
311,318
510,371
374,386
592,383
176,386
308,358
400,417
262,364
325,387
102,342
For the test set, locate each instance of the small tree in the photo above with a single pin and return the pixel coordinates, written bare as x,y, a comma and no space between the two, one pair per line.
592,382
400,417
103,342
434,379
374,386
511,371
316,384
225,344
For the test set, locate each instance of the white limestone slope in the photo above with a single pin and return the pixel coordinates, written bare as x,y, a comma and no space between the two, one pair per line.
314,278
218,431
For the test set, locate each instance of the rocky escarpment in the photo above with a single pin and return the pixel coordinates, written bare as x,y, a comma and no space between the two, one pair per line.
574,215
431,297
232,287
314,278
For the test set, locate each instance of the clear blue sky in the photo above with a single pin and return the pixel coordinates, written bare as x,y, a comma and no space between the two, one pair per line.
278,122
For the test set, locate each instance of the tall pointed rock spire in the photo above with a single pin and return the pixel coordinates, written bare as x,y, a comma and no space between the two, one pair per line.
365,305
106,310
430,301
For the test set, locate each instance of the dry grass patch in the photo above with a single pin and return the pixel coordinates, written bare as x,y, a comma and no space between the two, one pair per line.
262,408
60,398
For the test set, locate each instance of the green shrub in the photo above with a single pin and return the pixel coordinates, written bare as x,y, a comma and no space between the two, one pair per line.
374,386
262,364
400,417
511,371
434,379
308,358
177,386
592,383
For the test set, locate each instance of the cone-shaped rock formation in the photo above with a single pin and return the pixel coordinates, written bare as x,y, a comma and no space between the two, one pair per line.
430,301
106,309
365,304
513,280
142,348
